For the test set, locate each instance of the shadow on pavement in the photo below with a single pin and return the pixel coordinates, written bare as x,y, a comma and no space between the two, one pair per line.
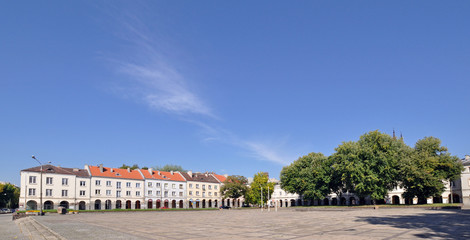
453,224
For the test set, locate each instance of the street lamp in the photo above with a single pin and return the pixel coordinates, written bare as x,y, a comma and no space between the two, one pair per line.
40,191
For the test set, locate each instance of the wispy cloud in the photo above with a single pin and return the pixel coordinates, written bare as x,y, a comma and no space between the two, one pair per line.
153,79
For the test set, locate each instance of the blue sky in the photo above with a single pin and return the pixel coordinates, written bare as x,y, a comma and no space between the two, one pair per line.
234,87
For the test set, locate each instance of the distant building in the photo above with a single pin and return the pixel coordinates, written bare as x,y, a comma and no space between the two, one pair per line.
203,190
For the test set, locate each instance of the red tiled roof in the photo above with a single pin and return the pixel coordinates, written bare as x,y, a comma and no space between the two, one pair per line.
115,173
163,175
221,178
59,170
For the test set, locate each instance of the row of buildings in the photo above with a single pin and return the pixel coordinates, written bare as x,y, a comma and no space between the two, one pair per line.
98,187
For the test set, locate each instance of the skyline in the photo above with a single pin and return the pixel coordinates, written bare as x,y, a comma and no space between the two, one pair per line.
234,88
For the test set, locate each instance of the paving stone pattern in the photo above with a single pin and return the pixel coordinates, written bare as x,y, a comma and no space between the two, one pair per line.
290,223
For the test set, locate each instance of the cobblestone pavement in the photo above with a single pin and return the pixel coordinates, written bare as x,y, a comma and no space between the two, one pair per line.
8,228
341,223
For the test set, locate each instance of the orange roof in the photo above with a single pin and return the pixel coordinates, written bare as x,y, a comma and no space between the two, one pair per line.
163,175
115,173
221,178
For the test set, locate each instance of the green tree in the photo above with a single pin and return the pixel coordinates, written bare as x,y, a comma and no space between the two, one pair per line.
133,167
170,167
258,193
9,196
424,173
309,176
234,187
369,167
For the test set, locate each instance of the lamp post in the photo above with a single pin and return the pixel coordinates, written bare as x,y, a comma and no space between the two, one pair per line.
40,188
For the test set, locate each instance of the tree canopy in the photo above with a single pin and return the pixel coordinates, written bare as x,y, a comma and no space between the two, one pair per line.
9,195
259,193
133,167
309,176
234,187
170,167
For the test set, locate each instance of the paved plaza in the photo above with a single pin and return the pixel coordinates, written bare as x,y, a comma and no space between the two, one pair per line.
293,223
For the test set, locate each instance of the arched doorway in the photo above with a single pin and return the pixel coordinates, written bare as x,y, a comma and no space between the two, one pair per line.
118,204
107,204
437,199
215,203
197,204
64,204
31,205
97,204
173,204
209,203
408,201
286,202
181,204
191,205
149,204
203,203
326,202
455,198
334,201
128,204
228,202
82,205
137,204
166,204
158,204
299,202
343,201
395,199
280,203
238,203
352,201
292,203
362,201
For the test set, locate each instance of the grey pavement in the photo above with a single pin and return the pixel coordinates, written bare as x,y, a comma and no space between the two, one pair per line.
8,228
331,223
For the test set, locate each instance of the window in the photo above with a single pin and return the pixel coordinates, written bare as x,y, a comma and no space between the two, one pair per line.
203,187
191,185
82,183
118,185
197,185
173,186
32,192
64,193
108,192
32,179
215,194
108,183
166,185
137,193
158,184
158,193
173,193
197,193
210,193
181,194
210,187
118,193
128,193
128,184
215,187
137,185
190,193
48,192
98,192
149,193
65,181
82,193
97,182
166,193
181,186
48,180
150,184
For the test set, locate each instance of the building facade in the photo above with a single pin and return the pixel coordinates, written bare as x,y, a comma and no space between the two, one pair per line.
164,189
203,190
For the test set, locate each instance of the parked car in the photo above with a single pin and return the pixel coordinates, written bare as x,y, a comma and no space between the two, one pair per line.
5,210
224,207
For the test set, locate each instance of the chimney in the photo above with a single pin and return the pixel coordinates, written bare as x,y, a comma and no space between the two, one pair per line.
128,169
112,170
101,167
150,171
158,173
172,173
75,169
190,173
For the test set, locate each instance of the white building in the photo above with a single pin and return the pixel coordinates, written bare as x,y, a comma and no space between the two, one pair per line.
65,187
164,189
